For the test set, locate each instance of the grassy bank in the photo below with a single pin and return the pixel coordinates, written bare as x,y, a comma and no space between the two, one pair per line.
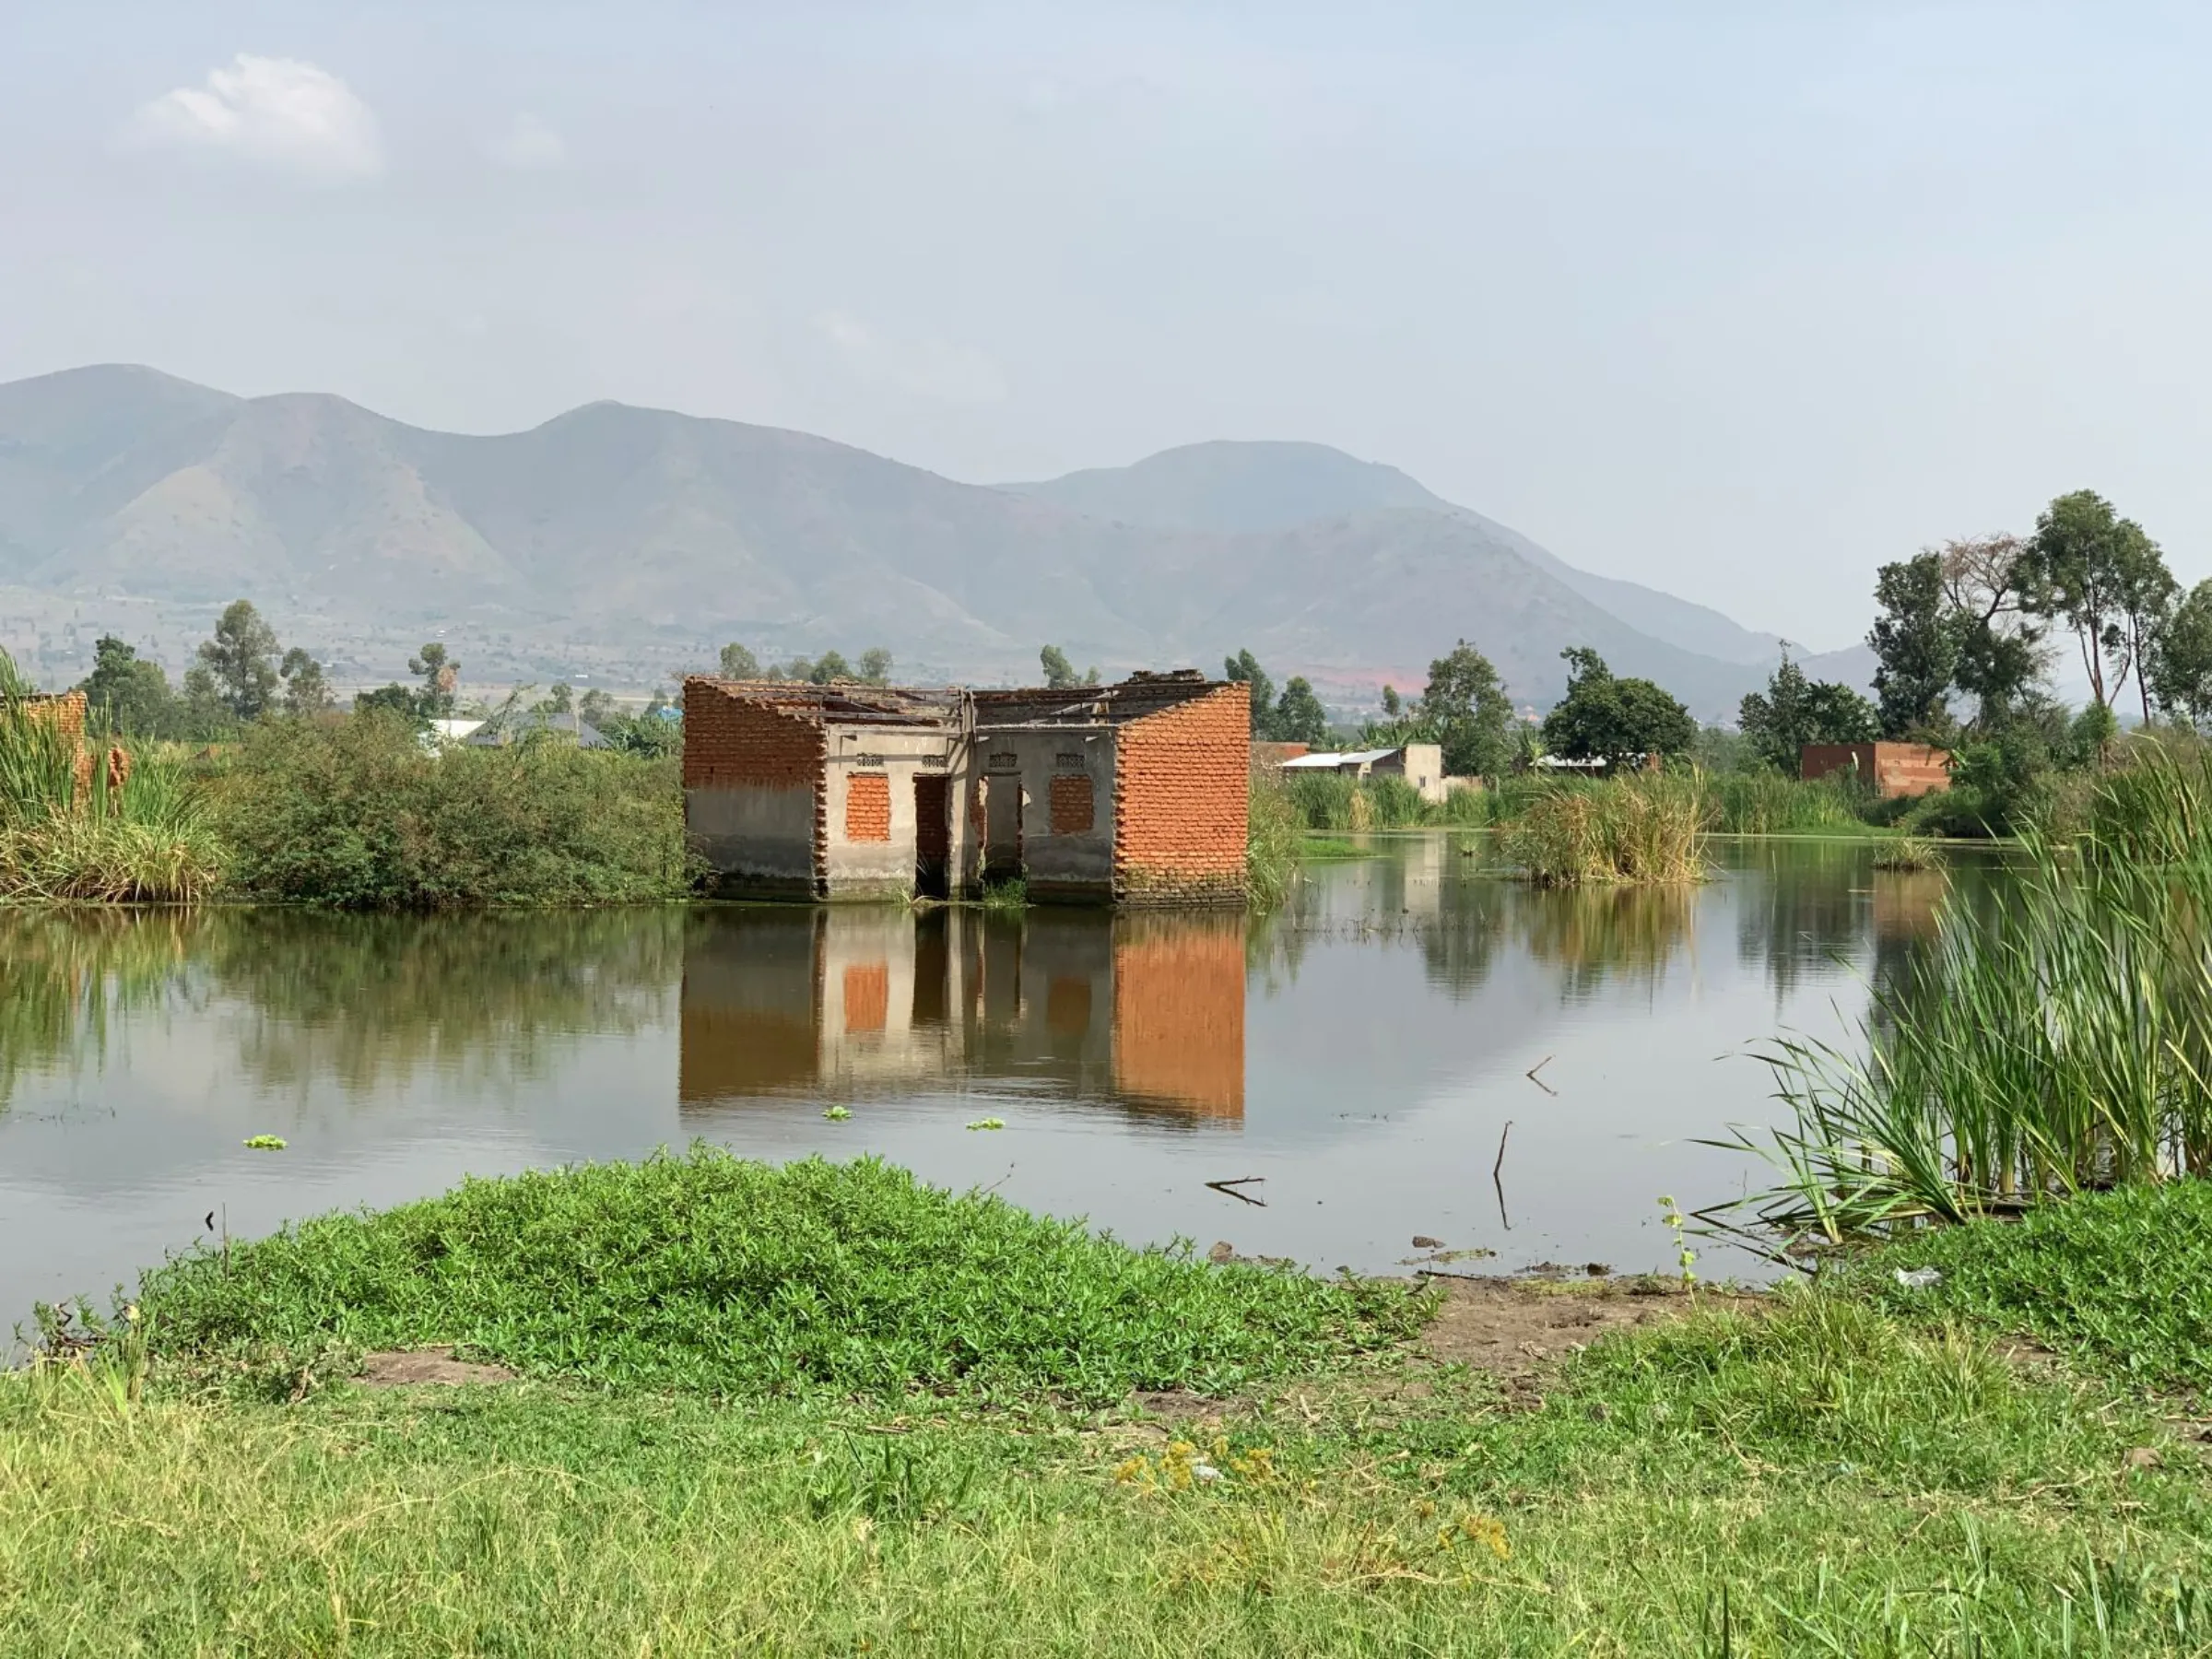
1819,1474
1649,827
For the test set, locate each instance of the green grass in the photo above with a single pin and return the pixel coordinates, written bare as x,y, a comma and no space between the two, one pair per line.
711,1273
1768,802
1818,1479
1908,855
2119,1281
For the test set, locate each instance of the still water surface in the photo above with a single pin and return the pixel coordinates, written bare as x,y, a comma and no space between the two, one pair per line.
1363,1052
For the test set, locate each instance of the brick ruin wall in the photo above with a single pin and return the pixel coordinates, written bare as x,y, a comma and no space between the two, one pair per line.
1893,769
1181,799
734,745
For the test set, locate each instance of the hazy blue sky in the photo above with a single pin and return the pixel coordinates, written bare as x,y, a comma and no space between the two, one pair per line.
1736,300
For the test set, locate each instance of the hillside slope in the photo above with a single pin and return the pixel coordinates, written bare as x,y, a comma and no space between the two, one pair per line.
611,521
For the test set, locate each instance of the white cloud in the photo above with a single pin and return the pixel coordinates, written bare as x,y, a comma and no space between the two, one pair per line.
527,143
275,113
930,368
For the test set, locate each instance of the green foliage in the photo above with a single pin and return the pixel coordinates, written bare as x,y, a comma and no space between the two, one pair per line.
1765,802
2107,580
2056,1040
306,692
737,662
127,694
440,677
1299,716
1645,827
714,1274
874,666
1274,842
358,814
1059,674
393,701
1466,712
1617,721
2121,1281
1916,640
2180,667
1794,711
236,661
1989,585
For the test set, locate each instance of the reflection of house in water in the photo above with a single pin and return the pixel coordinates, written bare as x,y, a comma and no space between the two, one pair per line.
1146,1010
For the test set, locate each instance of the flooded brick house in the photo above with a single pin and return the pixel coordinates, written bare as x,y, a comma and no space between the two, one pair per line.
1129,794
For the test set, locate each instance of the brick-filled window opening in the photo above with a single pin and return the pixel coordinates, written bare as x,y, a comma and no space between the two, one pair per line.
868,808
1071,805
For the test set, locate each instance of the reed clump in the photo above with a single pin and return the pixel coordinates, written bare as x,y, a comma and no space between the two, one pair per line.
1908,855
2056,1040
93,822
1274,844
1645,827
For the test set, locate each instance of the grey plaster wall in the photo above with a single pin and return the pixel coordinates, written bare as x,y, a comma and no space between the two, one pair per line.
757,836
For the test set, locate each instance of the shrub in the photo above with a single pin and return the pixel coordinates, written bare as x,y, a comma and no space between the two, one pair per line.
355,813
1275,839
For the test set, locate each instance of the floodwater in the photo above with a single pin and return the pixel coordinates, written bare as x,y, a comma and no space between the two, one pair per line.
1362,1054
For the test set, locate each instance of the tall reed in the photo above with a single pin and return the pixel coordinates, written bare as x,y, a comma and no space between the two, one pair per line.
1646,827
2059,1041
1768,802
1275,840
85,822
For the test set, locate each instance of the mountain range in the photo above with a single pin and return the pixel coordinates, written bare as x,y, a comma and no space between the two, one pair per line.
611,521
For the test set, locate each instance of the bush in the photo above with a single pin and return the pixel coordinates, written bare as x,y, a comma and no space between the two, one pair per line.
1275,839
355,813
714,1272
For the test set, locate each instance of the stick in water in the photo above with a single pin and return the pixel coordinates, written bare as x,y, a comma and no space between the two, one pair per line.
1230,1188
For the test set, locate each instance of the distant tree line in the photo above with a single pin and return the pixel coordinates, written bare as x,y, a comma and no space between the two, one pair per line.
239,673
874,667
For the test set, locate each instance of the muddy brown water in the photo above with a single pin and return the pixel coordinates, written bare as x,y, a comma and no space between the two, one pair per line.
1361,1053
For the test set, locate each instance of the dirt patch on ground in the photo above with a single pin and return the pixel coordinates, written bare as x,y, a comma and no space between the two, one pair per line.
1517,1327
427,1365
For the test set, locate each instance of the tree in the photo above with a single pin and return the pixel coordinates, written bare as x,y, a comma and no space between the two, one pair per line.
1059,674
128,693
828,667
597,708
236,660
1916,640
440,677
1393,704
1987,584
2107,580
1794,711
1616,721
393,698
306,692
2179,669
876,666
1246,667
737,662
1466,712
559,700
1298,717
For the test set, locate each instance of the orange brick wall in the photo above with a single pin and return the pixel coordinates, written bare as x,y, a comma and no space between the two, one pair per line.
1893,769
868,807
1072,807
728,742
1180,799
1179,1012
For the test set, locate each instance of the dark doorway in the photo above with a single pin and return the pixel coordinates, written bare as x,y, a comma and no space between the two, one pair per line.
933,835
1002,827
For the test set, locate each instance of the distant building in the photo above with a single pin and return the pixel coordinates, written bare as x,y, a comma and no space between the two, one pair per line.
1890,769
514,728
1420,764
1269,757
1127,793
